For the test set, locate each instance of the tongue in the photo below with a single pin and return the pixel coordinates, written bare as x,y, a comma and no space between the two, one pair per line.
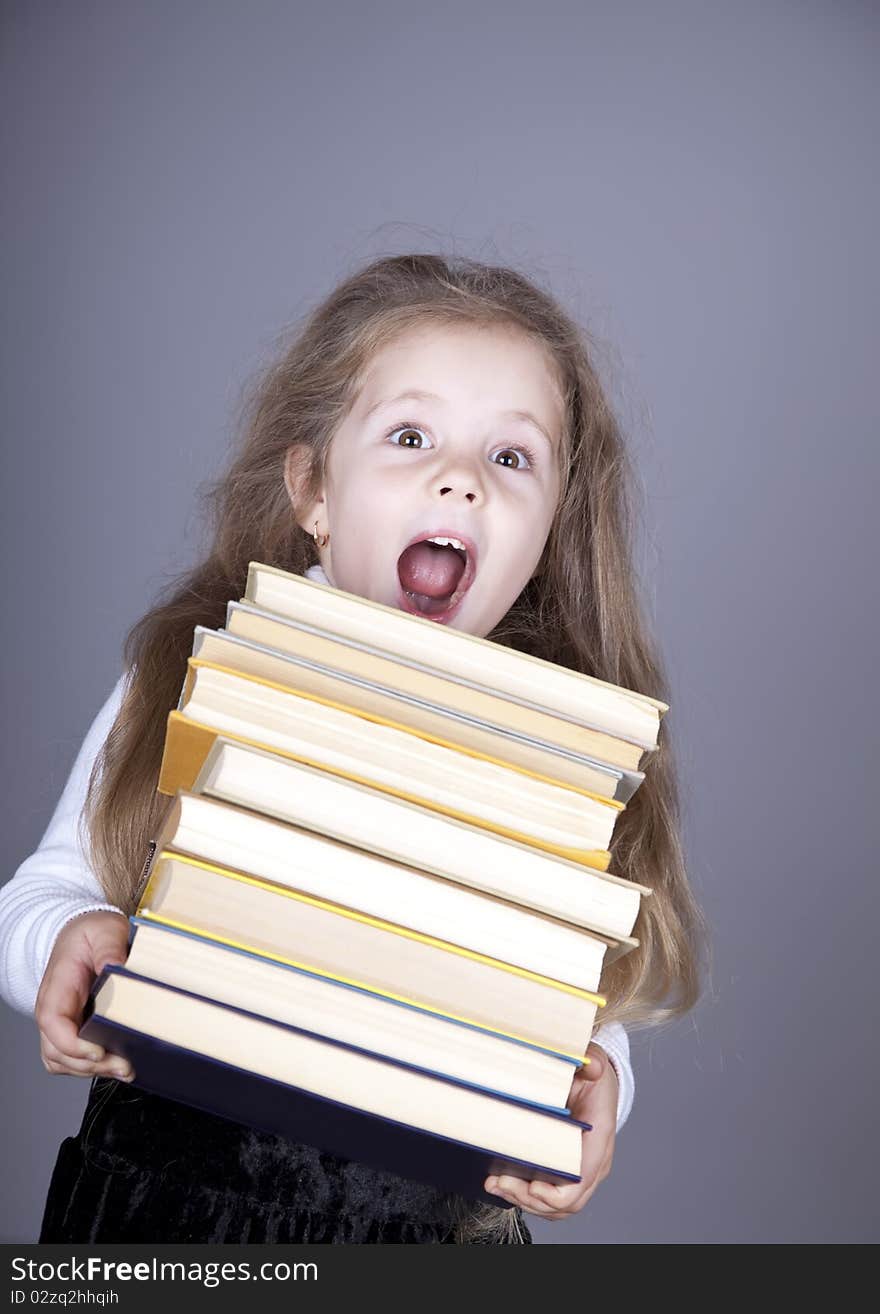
431,570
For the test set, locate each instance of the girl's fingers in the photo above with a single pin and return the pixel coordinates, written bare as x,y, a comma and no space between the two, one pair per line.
554,1197
61,1032
558,1201
59,1010
568,1200
62,1059
509,1188
59,1039
518,1192
562,1208
60,1064
546,1199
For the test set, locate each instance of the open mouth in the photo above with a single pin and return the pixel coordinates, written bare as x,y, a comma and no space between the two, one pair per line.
435,576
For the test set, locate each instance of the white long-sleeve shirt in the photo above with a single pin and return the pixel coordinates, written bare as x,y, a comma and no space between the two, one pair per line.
55,883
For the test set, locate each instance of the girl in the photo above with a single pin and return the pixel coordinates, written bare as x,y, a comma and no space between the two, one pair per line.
424,396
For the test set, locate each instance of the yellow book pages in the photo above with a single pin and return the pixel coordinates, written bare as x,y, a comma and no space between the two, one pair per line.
188,742
340,910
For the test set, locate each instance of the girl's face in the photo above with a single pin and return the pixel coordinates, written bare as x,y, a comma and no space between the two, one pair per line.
476,460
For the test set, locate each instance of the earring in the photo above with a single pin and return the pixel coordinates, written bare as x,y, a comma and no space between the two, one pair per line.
323,540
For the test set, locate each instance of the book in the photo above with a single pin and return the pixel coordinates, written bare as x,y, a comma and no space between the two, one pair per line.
373,625
394,828
296,1084
329,939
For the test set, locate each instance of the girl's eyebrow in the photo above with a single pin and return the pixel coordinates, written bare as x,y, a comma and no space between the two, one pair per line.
418,394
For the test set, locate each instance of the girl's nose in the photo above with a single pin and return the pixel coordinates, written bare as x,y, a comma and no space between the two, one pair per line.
459,477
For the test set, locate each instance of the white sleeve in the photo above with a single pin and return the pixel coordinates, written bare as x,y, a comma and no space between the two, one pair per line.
55,883
615,1042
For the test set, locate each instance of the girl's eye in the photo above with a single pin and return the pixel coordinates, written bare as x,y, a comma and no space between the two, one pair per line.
521,450
409,429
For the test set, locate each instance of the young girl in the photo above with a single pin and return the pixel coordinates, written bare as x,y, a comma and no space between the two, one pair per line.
424,396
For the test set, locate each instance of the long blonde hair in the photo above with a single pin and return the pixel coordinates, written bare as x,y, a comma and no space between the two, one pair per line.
581,610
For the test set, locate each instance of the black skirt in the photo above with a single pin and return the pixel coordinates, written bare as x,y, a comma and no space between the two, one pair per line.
143,1168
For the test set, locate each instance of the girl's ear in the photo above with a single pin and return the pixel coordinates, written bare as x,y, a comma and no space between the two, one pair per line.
296,481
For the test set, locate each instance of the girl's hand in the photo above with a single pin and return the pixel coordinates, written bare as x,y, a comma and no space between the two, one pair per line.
593,1099
82,948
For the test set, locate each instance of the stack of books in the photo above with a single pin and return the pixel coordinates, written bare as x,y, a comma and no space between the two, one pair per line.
376,914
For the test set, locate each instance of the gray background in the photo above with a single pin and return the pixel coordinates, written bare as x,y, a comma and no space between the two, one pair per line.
695,182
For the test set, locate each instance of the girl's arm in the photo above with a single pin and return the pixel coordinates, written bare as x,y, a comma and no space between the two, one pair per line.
615,1042
55,883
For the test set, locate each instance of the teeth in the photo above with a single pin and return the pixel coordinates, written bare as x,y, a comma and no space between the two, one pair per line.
449,542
